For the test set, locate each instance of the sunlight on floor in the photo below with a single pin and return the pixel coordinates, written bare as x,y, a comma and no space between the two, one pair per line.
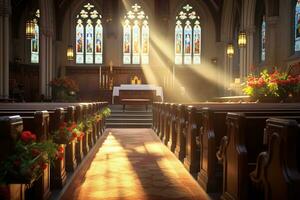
134,164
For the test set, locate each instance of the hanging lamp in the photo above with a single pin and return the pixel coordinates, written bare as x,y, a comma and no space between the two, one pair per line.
30,29
230,50
242,39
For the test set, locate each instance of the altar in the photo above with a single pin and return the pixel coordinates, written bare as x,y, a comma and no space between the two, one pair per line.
141,91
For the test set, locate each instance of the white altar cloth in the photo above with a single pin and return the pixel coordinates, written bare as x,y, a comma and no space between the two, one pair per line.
158,89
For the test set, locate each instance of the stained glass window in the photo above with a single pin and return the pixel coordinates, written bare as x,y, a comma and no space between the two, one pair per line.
178,43
297,26
89,36
136,37
187,37
263,40
98,42
35,42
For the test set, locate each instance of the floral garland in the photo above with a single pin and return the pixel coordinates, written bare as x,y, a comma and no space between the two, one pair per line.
29,158
68,132
87,125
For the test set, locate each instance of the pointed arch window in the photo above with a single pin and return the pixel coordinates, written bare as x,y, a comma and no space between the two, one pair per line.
263,39
89,36
297,26
136,34
35,41
187,37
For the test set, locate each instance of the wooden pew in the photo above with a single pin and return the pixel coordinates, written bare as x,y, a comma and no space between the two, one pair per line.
173,127
245,136
69,113
56,120
154,118
158,118
78,119
85,139
162,120
206,127
182,122
167,123
37,123
58,169
10,127
277,172
71,162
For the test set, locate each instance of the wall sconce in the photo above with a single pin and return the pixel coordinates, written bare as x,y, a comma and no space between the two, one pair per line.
70,53
242,39
29,31
230,50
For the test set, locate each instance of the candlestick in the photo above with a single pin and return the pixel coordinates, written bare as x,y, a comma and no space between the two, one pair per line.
111,66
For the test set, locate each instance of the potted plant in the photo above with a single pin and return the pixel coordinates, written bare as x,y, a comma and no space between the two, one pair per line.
64,89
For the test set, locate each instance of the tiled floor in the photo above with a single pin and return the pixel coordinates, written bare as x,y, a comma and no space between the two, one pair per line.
132,164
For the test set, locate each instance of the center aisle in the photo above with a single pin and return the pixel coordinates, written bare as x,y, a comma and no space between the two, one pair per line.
132,164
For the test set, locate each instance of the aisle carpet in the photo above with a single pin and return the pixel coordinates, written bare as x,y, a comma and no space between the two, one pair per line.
132,164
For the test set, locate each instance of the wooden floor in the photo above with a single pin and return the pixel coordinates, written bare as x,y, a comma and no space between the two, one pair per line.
132,164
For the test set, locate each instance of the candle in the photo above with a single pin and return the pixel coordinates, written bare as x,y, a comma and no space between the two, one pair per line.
111,66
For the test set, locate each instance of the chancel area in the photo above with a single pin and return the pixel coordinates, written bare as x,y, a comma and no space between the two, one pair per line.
149,99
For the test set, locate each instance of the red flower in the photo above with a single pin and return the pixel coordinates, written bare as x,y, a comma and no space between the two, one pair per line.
27,136
33,137
60,149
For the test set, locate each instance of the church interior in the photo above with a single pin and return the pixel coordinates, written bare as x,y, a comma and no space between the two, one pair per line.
149,99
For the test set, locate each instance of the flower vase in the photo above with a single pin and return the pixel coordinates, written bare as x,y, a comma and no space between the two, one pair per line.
60,95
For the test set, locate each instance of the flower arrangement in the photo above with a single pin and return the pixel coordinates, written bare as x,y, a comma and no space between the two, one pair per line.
64,88
65,83
67,133
28,159
275,84
87,124
105,112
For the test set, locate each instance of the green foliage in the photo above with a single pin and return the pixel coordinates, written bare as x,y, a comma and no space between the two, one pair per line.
28,159
276,84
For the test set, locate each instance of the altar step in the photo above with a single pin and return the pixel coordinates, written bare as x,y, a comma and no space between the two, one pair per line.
131,117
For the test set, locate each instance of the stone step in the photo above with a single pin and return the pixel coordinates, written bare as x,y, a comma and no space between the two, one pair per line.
129,120
125,116
128,125
131,117
130,111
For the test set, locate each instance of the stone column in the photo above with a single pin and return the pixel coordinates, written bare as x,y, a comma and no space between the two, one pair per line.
250,49
271,30
246,54
4,48
226,76
46,47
